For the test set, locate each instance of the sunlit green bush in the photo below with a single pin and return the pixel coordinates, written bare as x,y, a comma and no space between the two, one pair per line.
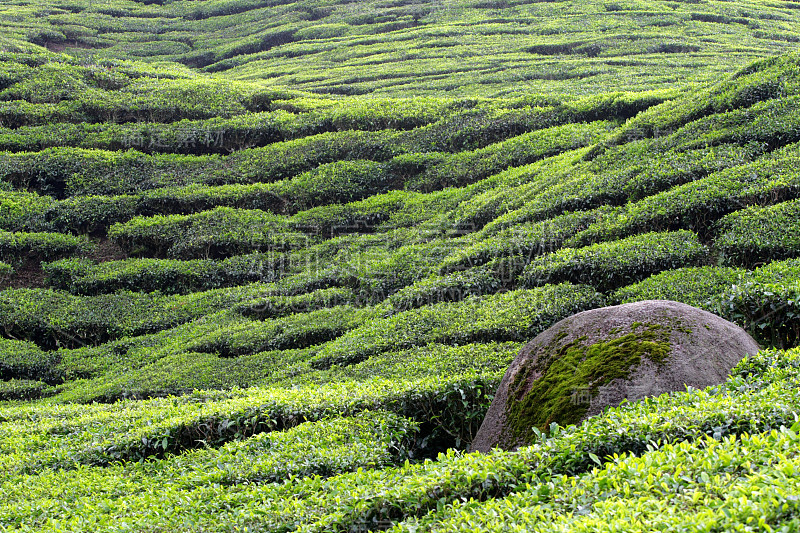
610,265
696,286
760,234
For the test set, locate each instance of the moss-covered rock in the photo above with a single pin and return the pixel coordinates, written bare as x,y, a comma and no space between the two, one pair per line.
599,358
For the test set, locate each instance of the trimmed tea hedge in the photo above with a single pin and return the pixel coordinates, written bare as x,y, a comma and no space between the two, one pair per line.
760,234
169,276
695,286
524,240
54,318
22,360
219,233
512,316
767,303
21,211
610,265
40,246
448,288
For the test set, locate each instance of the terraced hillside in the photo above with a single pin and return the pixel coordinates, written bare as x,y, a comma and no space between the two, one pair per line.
239,295
415,47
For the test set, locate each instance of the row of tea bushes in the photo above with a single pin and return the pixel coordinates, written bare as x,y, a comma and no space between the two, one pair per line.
298,330
59,88
171,372
194,343
23,360
182,372
22,390
611,265
756,235
169,276
525,240
153,427
695,286
54,318
445,288
433,124
511,316
568,182
727,483
64,172
219,233
221,134
469,167
384,212
765,302
68,171
22,211
433,118
760,81
41,246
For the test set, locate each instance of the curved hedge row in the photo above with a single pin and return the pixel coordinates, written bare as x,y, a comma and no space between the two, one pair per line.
524,240
766,303
53,319
610,265
468,167
169,276
695,286
512,316
41,246
760,234
24,360
23,211
218,233
446,288
761,81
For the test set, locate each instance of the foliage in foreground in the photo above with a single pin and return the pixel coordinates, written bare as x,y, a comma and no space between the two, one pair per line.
733,429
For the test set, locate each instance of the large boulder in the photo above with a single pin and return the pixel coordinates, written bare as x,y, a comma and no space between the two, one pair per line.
601,357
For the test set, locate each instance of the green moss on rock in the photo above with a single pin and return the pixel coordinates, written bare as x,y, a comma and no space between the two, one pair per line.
571,375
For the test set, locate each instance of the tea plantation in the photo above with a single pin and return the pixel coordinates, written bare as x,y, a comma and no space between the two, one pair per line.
263,263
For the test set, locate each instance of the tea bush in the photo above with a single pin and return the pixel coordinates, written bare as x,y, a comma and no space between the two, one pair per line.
610,265
25,361
695,286
169,276
765,303
760,234
512,316
218,233
698,205
21,211
42,246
